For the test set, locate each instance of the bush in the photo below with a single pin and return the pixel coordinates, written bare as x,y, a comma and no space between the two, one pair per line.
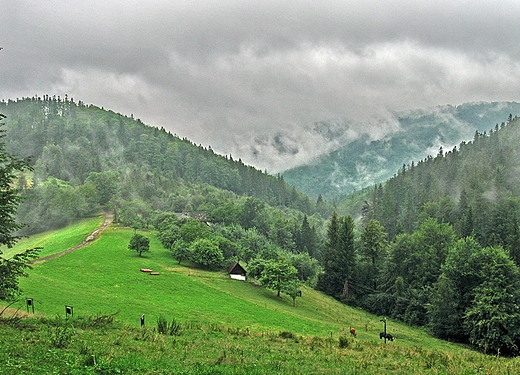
343,342
172,329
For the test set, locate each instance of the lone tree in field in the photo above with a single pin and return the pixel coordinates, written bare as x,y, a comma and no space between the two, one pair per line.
11,269
139,243
280,275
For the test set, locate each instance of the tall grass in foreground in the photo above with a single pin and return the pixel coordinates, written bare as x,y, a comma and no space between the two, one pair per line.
87,346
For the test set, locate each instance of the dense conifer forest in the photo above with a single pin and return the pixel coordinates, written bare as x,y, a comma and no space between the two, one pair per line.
85,157
440,243
437,245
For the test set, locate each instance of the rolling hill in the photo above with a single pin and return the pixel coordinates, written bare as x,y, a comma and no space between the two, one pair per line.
225,326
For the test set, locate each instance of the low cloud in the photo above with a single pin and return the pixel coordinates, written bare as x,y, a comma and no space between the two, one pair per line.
254,79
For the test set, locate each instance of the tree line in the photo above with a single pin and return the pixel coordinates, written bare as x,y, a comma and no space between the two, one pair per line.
85,157
438,245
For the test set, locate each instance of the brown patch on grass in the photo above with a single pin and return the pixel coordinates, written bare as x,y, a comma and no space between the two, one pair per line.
10,312
90,238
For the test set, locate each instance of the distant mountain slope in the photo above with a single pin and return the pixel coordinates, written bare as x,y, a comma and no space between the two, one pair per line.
85,157
363,162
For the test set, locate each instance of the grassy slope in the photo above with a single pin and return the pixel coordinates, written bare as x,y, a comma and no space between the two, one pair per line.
105,277
57,240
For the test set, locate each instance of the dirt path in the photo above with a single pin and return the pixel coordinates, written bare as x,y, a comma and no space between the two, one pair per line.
91,237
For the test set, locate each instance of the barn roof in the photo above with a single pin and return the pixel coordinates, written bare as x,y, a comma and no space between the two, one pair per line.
236,269
196,215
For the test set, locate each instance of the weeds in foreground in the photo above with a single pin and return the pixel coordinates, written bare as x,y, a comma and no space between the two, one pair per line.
343,342
61,336
60,346
165,328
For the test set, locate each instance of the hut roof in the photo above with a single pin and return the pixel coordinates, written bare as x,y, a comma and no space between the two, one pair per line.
236,269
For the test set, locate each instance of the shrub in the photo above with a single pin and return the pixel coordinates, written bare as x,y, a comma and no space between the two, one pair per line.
343,342
172,329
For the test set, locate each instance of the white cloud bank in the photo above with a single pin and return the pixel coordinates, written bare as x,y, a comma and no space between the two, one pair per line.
252,78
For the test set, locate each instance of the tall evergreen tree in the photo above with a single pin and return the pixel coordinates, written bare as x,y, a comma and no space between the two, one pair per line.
465,221
15,267
443,310
338,256
505,228
374,246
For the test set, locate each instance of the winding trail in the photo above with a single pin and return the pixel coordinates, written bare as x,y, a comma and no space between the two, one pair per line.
109,217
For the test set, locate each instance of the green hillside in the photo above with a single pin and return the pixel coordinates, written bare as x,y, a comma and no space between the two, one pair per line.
105,277
423,269
85,157
226,326
53,242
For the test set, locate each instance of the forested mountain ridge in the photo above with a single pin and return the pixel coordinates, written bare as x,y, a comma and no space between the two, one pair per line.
440,243
470,187
69,141
364,162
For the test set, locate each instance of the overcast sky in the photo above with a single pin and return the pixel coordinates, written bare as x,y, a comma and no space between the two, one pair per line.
249,78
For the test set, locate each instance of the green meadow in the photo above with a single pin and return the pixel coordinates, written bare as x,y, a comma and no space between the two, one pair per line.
225,326
57,240
105,278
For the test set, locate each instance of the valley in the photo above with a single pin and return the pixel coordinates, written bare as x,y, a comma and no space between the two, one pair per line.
226,326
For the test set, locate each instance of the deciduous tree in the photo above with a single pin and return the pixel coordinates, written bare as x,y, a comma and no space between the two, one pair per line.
206,252
493,320
139,243
180,251
278,274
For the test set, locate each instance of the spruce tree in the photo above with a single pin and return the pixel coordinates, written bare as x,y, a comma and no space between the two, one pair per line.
338,256
13,268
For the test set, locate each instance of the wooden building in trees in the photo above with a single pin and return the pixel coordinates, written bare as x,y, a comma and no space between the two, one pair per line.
237,272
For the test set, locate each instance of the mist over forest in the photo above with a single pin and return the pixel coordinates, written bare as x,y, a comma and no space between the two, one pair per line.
353,164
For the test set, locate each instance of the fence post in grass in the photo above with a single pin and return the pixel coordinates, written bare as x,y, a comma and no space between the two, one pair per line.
69,311
384,322
30,304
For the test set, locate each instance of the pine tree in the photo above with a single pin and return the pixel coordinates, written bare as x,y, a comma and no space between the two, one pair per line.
443,309
465,222
338,256
374,246
15,267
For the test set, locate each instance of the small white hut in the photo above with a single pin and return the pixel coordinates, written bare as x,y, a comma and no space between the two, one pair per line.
237,272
